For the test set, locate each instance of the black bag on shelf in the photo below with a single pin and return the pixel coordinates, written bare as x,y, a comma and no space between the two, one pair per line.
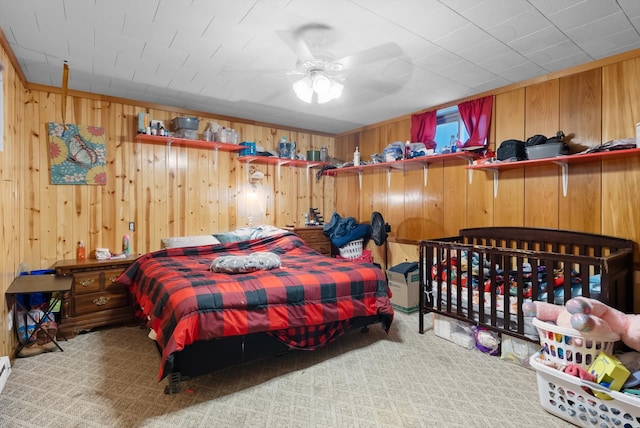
511,149
535,140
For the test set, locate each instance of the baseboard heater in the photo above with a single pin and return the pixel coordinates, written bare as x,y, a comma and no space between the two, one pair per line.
5,370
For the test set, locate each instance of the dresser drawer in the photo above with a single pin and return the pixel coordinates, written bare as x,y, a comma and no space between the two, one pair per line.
95,302
314,234
110,277
86,282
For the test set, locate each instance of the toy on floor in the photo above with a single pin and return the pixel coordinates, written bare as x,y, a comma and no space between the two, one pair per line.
486,341
589,316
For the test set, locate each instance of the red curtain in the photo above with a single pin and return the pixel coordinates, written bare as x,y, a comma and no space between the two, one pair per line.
423,129
476,115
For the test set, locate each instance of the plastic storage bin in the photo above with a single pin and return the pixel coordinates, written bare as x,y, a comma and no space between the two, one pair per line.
563,346
185,122
187,133
250,150
366,257
569,398
547,150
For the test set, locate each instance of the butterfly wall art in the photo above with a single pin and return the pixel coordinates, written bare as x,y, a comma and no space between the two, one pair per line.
77,154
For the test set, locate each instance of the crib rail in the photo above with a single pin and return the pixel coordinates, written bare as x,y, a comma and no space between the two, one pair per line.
484,275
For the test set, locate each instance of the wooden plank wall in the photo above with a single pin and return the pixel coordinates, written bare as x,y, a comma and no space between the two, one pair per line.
165,190
591,105
12,216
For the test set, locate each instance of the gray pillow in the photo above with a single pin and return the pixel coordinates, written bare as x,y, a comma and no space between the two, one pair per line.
246,263
188,241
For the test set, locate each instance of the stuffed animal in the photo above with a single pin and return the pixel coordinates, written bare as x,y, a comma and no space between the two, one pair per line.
589,316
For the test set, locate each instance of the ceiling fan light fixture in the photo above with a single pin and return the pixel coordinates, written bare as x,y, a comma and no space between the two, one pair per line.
303,89
325,88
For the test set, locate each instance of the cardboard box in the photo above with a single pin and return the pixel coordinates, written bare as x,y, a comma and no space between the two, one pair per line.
5,370
405,292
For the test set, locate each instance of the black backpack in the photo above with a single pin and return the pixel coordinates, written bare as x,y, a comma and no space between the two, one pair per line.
511,149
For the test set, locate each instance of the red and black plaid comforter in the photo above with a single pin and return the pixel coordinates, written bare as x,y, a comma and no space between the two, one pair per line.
184,301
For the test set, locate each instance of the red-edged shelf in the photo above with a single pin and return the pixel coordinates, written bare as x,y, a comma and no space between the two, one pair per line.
279,162
174,141
562,161
413,164
273,160
405,164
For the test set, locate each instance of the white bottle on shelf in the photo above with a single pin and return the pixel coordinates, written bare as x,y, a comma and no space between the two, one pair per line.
356,157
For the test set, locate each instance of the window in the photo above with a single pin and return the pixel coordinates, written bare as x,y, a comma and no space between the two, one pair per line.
450,127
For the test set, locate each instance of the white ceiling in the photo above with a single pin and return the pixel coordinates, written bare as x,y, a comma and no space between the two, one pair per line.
225,56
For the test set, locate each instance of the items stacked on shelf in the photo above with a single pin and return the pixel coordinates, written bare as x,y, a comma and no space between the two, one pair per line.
404,164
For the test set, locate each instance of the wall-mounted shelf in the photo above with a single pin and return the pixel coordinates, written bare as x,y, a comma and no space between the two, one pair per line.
273,160
186,142
421,162
562,161
169,141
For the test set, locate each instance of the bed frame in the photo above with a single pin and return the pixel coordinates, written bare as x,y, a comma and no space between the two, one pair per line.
206,356
584,254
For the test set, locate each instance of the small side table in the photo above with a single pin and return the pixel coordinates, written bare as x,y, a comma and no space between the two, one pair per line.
29,284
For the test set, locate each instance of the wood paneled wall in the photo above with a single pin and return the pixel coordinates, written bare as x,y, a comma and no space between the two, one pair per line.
591,105
12,216
165,190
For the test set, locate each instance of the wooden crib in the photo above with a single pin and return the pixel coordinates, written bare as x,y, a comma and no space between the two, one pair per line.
484,275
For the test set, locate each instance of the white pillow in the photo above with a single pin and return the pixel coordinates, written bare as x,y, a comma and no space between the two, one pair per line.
189,241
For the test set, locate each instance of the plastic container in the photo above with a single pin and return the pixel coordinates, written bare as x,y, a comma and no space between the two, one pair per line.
563,346
547,150
313,155
250,149
356,157
352,249
284,148
324,153
366,257
189,134
21,322
565,396
126,245
185,122
81,251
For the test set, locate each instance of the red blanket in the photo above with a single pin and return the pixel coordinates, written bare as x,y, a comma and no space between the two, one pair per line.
184,301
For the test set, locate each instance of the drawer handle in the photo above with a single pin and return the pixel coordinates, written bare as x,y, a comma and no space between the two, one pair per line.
101,301
113,278
87,282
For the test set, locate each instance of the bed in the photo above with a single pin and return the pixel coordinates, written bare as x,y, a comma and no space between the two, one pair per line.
483,276
204,320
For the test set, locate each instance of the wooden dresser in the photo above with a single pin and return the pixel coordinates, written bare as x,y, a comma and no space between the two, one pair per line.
95,299
314,237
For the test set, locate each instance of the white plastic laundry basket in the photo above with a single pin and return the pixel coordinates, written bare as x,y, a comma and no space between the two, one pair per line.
568,397
352,249
564,346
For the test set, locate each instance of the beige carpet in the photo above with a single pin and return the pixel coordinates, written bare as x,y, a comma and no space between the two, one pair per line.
108,378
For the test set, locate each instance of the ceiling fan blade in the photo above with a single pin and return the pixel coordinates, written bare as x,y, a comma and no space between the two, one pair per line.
377,53
297,45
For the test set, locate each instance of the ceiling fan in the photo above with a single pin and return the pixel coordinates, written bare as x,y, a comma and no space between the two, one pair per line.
323,75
